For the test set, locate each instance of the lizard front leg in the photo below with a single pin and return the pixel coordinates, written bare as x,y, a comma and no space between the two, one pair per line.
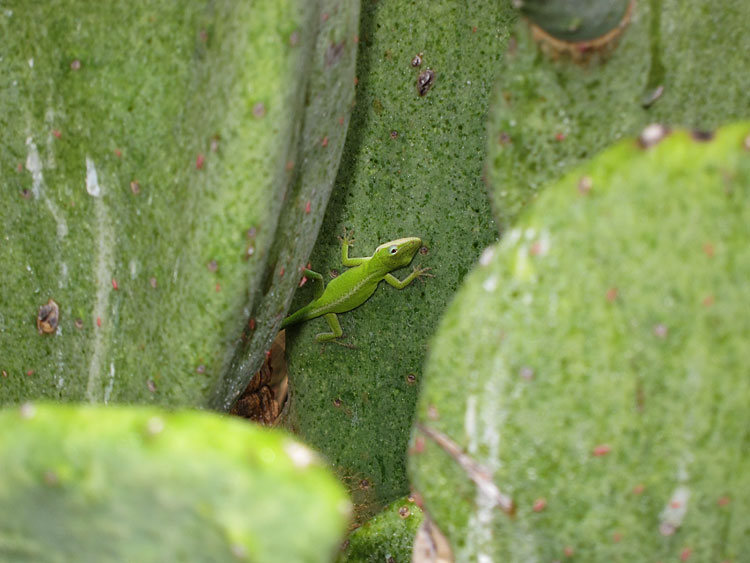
401,284
346,241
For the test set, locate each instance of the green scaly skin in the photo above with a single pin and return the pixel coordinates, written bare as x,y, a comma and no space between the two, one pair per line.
356,285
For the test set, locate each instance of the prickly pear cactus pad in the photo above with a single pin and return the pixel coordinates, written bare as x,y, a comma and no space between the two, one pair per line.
412,166
387,536
147,152
677,61
140,484
588,392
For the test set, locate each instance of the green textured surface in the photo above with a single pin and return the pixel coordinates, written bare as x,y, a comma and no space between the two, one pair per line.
156,83
576,20
140,484
425,182
329,99
548,116
387,536
615,318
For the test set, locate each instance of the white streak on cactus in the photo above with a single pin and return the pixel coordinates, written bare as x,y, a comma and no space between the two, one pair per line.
34,165
103,274
92,179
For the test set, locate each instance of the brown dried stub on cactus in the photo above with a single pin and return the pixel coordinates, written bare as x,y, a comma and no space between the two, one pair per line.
265,395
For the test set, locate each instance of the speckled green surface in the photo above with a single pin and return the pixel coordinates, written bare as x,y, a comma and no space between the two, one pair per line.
595,362
387,536
550,115
411,167
203,105
141,484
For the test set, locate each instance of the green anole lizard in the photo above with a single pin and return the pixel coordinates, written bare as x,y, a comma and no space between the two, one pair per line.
356,285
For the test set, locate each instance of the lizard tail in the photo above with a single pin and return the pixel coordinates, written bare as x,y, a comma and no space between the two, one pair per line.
296,317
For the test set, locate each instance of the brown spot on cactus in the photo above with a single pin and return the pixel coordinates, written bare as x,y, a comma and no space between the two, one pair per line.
75,65
25,193
51,478
526,373
135,187
337,402
152,282
364,484
259,110
601,450
201,369
151,386
660,330
394,134
48,317
411,378
702,136
212,266
334,52
417,60
5,373
404,512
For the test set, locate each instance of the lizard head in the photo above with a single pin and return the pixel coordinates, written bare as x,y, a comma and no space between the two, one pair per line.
398,253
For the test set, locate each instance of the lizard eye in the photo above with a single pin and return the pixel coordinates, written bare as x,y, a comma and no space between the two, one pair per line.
393,249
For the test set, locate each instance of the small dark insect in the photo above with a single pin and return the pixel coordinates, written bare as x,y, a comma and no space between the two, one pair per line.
48,317
417,60
425,81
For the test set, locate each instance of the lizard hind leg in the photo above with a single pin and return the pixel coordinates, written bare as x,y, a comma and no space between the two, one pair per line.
333,322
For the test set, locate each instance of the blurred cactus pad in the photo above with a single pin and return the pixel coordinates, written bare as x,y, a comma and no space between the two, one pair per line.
681,62
150,152
593,367
138,484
